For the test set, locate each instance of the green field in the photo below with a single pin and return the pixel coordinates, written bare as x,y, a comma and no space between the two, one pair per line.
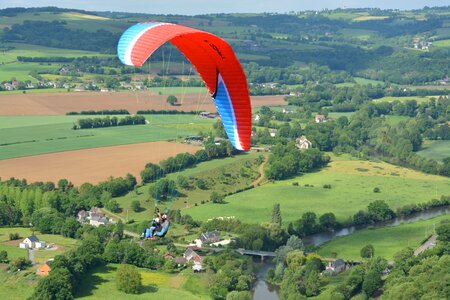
404,99
31,135
442,43
352,184
180,90
386,240
157,285
208,171
360,34
435,150
17,285
21,71
360,81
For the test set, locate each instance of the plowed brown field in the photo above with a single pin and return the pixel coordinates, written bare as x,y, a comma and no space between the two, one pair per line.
91,165
61,103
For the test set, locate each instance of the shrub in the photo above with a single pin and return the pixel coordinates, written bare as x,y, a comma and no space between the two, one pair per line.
295,184
376,190
128,279
14,236
327,186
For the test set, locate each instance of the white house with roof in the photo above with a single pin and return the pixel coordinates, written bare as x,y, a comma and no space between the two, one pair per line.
336,267
94,217
320,119
32,242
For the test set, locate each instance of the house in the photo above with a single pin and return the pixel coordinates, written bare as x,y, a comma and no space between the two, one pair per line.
180,261
320,119
94,217
336,267
8,86
221,243
82,216
43,270
125,85
97,220
210,237
104,89
288,111
168,256
32,242
80,88
191,255
30,86
303,143
273,132
139,85
257,117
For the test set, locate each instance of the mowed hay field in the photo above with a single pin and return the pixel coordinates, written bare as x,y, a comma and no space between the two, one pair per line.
91,165
61,103
352,182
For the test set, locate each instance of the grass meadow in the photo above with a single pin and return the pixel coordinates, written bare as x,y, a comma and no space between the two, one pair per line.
386,240
352,182
435,149
32,135
156,285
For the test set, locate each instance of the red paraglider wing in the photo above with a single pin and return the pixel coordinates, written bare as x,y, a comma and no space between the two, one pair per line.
213,59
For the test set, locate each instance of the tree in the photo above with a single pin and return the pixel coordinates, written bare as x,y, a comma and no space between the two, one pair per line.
172,100
367,251
112,205
58,285
443,232
380,211
372,281
239,295
164,189
136,205
70,227
295,243
151,173
3,256
328,220
21,263
217,198
276,214
47,220
128,279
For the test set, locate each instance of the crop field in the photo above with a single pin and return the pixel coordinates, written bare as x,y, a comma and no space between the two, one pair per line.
91,165
60,103
386,240
361,34
352,183
156,285
435,149
369,18
32,135
211,172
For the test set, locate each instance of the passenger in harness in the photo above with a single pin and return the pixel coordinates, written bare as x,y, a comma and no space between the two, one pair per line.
158,228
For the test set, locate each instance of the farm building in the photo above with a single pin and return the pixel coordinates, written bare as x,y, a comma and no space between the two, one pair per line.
32,242
207,238
303,143
336,267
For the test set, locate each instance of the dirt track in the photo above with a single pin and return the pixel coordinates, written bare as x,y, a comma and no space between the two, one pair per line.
61,103
91,165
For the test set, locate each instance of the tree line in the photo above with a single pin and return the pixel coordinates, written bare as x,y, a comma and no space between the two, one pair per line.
100,112
109,122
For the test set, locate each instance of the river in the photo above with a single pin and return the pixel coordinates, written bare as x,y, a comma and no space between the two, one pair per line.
264,290
322,237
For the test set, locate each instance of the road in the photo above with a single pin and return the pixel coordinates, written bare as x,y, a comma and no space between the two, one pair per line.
31,255
430,243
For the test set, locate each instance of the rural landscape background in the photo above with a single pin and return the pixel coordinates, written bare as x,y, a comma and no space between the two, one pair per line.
345,193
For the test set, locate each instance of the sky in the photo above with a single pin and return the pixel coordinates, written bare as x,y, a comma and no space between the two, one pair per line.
193,7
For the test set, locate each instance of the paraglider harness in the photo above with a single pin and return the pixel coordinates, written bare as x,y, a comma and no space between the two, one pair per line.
161,229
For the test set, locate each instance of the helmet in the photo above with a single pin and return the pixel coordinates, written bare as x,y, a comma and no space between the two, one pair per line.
164,216
157,220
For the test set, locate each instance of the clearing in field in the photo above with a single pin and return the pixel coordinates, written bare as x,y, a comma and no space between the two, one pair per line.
91,165
386,240
437,150
62,103
352,184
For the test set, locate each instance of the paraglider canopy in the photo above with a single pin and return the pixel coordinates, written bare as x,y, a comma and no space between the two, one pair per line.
213,59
